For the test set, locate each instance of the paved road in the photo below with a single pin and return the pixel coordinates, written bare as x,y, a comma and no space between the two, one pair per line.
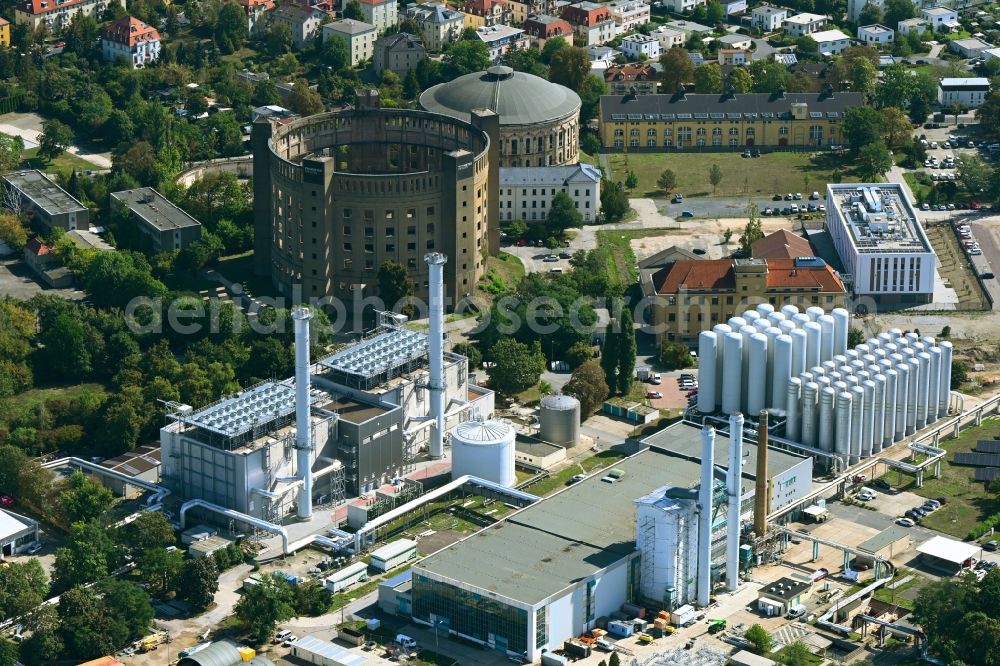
762,50
17,280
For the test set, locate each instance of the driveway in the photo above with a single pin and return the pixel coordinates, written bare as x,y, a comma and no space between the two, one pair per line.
28,126
17,280
762,50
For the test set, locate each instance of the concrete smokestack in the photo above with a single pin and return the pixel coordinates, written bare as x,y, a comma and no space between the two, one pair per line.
734,483
760,493
435,266
705,523
303,427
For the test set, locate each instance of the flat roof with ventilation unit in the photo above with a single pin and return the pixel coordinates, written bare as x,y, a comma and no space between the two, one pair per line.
155,209
239,414
391,352
878,217
43,193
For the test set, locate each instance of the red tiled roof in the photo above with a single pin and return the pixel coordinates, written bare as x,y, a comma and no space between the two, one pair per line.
783,274
718,275
588,17
254,4
782,244
481,7
37,247
3,22
130,31
630,72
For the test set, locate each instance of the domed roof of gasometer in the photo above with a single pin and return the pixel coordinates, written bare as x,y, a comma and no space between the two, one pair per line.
518,98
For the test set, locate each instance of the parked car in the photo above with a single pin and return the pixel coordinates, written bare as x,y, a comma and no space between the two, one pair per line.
565,255
550,258
991,546
653,395
776,197
859,478
987,276
905,522
678,198
6,500
882,484
746,153
687,213
34,548
577,478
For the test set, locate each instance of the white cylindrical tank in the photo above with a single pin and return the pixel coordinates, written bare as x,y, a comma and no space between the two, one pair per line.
817,371
484,449
810,392
902,392
840,359
873,344
787,326
757,374
884,338
913,390
708,347
782,371
934,399
868,426
835,377
706,491
827,398
924,390
894,332
772,333
928,341
823,382
911,336
559,420
841,324
806,377
746,331
827,343
736,323
789,311
732,372
889,431
852,355
857,422
829,366
814,334
801,319
863,349
842,436
751,317
857,366
799,344
944,393
776,318
720,331
878,433
793,398
765,309
815,312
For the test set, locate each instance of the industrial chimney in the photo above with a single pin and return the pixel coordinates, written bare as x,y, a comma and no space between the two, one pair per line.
760,493
734,484
705,523
303,429
435,266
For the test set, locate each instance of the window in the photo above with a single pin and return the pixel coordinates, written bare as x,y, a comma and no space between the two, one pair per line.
347,230
734,142
701,142
668,132
701,131
634,132
634,143
651,143
734,131
651,132
717,131
783,131
619,132
619,143
750,131
369,232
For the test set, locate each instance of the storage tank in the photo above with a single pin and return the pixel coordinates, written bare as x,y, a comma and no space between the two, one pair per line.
782,371
776,318
485,449
813,335
765,309
799,343
841,324
772,333
827,342
815,312
878,432
751,317
827,398
868,424
924,390
884,338
851,355
720,331
934,399
793,399
902,391
894,332
809,397
944,394
863,349
801,319
913,390
787,326
736,323
708,345
842,436
789,311
857,422
732,372
912,337
889,432
757,374
746,331
559,420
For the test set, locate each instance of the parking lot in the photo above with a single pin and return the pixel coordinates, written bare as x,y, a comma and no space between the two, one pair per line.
17,280
672,394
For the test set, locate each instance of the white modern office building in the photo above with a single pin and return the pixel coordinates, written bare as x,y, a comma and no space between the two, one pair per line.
881,243
526,192
966,92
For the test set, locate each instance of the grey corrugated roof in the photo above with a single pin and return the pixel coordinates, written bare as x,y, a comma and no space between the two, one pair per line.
886,537
517,97
752,103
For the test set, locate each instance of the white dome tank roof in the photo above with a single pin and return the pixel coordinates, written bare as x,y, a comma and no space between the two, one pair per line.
483,432
560,402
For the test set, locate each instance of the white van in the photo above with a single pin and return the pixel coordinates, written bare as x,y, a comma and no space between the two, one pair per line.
282,635
405,641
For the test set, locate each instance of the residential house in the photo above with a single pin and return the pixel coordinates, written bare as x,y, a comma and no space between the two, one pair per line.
623,79
438,24
941,18
638,45
383,14
526,192
768,18
256,10
487,13
735,57
855,7
543,27
4,32
804,24
917,25
681,6
357,35
399,53
42,260
522,9
735,41
55,15
668,37
132,40
971,47
628,15
304,23
831,42
688,28
592,22
781,244
968,93
734,7
875,35
502,38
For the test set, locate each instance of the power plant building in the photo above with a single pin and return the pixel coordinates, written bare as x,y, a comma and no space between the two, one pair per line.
547,572
880,240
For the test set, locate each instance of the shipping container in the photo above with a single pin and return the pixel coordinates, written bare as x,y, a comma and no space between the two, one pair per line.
682,615
576,649
553,659
394,554
346,577
619,628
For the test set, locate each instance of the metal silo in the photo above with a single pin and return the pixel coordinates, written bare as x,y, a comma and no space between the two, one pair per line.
878,433
934,399
827,398
708,346
732,372
799,344
559,420
902,391
868,419
827,342
889,432
842,437
484,449
814,334
765,309
944,393
789,311
815,312
924,389
809,397
857,422
757,374
793,398
841,324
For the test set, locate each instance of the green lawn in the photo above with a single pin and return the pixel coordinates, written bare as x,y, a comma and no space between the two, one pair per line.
26,402
559,480
762,176
920,189
811,660
502,271
968,500
64,164
620,260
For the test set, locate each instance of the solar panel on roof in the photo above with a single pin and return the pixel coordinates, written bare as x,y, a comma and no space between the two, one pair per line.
652,116
734,116
988,446
815,114
767,114
987,473
978,459
717,115
666,116
701,116
750,115
684,116
635,116
832,114
617,116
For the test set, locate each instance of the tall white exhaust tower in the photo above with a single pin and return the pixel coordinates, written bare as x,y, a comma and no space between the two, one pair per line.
734,481
303,427
435,266
705,520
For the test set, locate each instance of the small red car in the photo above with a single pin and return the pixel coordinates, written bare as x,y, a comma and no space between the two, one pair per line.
6,501
859,478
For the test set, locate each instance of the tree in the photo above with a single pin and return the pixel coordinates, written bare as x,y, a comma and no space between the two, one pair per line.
610,354
56,137
631,180
752,232
579,353
714,176
150,530
740,81
678,70
988,113
715,13
614,201
465,57
471,352
517,366
304,100
759,639
667,181
231,28
353,11
9,652
806,46
23,585
898,10
896,127
552,46
873,161
626,352
394,286
862,127
86,557
263,606
855,337
590,97
959,374
11,148
85,627
708,79
675,356
570,66
159,568
795,654
870,13
198,582
768,76
84,499
614,659
12,231
974,174
138,161
563,214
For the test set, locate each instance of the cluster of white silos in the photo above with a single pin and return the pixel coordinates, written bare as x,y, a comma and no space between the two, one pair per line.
863,400
745,364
